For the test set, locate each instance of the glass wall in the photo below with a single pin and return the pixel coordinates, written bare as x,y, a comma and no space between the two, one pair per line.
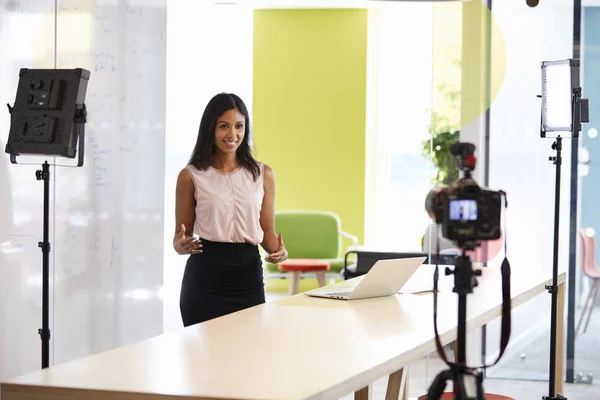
586,320
398,167
416,114
105,218
20,210
519,164
426,98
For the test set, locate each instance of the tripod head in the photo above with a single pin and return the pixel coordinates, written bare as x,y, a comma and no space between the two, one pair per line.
465,277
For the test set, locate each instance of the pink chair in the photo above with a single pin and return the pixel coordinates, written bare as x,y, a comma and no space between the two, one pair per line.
591,270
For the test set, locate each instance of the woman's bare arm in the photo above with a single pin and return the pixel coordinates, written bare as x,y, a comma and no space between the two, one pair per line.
272,242
267,212
185,213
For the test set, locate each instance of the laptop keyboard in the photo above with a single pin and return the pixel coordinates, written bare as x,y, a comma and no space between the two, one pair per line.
338,294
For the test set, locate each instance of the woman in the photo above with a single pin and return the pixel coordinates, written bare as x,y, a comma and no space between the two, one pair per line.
226,198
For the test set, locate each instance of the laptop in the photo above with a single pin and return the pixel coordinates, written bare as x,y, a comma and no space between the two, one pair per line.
385,278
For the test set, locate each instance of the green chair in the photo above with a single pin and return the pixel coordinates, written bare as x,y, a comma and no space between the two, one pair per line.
311,234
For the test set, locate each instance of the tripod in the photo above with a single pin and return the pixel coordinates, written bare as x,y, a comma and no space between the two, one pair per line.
468,382
553,289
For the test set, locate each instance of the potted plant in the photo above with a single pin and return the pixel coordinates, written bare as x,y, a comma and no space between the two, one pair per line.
439,153
444,132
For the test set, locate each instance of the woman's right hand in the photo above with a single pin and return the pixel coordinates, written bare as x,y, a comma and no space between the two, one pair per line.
184,244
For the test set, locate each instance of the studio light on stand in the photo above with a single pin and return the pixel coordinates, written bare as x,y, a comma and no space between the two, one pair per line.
563,111
48,119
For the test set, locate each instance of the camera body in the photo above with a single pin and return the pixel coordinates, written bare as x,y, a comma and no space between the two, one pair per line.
467,212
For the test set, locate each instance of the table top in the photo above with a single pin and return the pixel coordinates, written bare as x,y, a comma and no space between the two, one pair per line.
298,347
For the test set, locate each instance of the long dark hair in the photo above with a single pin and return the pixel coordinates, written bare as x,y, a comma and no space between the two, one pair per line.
204,152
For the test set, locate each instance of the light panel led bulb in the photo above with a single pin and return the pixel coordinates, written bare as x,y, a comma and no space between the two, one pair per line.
557,96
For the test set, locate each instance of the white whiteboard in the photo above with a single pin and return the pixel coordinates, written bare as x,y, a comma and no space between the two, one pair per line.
107,218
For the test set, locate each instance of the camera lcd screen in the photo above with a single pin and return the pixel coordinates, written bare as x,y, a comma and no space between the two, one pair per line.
463,210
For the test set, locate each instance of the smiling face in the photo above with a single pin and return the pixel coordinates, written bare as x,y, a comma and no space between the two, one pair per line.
229,131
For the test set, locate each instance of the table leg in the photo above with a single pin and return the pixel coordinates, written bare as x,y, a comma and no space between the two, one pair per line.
455,349
363,394
321,278
397,383
294,283
560,340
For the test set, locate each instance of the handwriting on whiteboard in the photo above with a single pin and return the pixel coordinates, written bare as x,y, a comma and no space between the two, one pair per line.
113,250
78,250
14,243
75,250
100,178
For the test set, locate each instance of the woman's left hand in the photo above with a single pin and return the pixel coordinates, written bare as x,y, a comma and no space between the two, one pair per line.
280,255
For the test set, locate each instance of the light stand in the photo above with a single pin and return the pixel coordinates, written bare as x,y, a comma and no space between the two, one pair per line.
563,110
553,289
48,118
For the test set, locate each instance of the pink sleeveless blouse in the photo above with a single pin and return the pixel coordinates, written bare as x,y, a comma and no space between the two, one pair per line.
228,205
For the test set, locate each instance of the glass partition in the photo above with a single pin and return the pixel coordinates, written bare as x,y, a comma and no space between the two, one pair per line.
105,218
398,142
405,91
519,164
585,318
21,200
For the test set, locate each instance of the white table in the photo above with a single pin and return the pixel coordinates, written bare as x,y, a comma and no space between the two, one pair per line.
295,348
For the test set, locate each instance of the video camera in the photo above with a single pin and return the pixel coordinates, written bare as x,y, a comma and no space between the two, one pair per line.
467,212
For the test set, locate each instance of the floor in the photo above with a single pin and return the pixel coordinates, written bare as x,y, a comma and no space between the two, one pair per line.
532,362
517,389
521,376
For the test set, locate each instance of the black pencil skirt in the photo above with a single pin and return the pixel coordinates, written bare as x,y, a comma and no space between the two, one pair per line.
224,278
